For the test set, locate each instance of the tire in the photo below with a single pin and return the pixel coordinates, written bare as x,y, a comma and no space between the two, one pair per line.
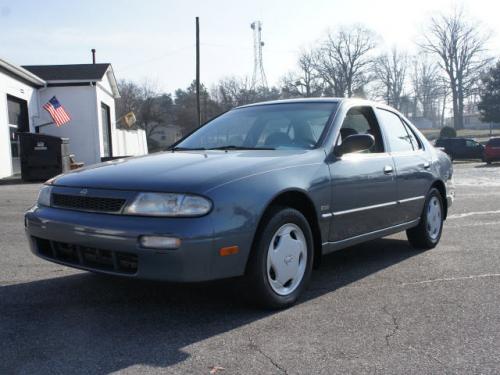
271,264
427,233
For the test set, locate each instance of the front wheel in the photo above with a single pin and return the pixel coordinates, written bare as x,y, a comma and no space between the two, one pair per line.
281,262
427,234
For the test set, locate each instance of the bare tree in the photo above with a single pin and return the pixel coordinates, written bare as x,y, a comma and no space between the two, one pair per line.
430,88
305,82
152,108
460,46
344,60
129,99
390,69
231,92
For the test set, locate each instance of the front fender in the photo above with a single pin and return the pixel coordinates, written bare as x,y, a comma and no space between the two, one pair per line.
239,206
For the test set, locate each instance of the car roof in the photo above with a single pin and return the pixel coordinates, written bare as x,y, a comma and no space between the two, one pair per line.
314,100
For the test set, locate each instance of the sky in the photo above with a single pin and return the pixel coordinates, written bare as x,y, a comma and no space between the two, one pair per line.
155,40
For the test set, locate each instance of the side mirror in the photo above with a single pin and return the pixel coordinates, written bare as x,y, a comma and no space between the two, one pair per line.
355,143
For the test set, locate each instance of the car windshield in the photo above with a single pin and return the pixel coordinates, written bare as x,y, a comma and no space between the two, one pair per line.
272,126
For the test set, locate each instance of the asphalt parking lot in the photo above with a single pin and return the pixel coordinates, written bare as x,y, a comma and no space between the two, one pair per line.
376,308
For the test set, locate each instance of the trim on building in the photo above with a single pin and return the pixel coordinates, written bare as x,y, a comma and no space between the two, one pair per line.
21,74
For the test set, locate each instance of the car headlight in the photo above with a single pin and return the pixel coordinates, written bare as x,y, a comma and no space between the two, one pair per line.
167,204
44,196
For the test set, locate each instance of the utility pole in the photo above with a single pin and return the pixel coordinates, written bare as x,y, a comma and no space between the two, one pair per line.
198,111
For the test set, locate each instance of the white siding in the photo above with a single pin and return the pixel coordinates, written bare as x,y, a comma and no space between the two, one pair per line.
11,86
131,142
82,130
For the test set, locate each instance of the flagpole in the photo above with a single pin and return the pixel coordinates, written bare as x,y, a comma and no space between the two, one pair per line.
37,127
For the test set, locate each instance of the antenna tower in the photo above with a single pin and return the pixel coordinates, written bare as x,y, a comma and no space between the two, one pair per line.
259,77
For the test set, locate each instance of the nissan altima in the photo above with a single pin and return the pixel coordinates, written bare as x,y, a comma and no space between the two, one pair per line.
262,192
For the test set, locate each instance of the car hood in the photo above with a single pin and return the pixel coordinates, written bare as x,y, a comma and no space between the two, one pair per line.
184,171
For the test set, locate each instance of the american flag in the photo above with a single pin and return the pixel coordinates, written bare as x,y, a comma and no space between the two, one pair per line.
56,111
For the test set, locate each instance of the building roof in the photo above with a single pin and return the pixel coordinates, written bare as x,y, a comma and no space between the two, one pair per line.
21,73
73,72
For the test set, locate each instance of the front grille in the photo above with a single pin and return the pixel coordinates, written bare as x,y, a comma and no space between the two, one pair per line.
87,257
83,203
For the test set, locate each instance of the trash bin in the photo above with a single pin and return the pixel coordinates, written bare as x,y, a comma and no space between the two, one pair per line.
43,156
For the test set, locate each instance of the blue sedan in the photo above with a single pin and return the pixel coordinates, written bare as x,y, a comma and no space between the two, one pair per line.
262,191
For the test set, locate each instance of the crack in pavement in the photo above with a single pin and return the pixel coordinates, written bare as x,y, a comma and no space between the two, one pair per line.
395,328
458,278
255,347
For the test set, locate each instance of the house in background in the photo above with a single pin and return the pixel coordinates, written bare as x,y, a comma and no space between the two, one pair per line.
86,91
166,135
422,122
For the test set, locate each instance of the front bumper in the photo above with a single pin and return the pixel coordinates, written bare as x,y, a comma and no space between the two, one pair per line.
109,244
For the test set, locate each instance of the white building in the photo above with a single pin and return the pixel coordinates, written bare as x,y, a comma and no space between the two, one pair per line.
166,135
86,91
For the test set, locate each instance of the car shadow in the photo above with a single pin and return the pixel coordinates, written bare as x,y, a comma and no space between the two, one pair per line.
91,323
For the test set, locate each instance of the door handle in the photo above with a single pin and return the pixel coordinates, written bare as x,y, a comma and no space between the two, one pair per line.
426,165
388,169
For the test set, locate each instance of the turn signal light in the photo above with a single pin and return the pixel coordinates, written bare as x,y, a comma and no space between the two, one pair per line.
159,242
230,250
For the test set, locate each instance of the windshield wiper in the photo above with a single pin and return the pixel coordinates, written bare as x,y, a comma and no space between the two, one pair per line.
233,147
177,148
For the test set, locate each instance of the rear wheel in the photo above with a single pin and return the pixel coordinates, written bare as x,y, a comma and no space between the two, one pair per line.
428,232
281,262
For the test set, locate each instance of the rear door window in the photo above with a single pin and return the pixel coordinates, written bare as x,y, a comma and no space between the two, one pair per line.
415,141
397,135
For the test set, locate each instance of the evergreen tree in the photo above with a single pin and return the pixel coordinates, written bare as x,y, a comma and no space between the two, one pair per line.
489,105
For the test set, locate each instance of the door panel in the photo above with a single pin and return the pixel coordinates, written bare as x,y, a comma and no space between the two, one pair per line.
363,183
413,181
413,165
363,195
